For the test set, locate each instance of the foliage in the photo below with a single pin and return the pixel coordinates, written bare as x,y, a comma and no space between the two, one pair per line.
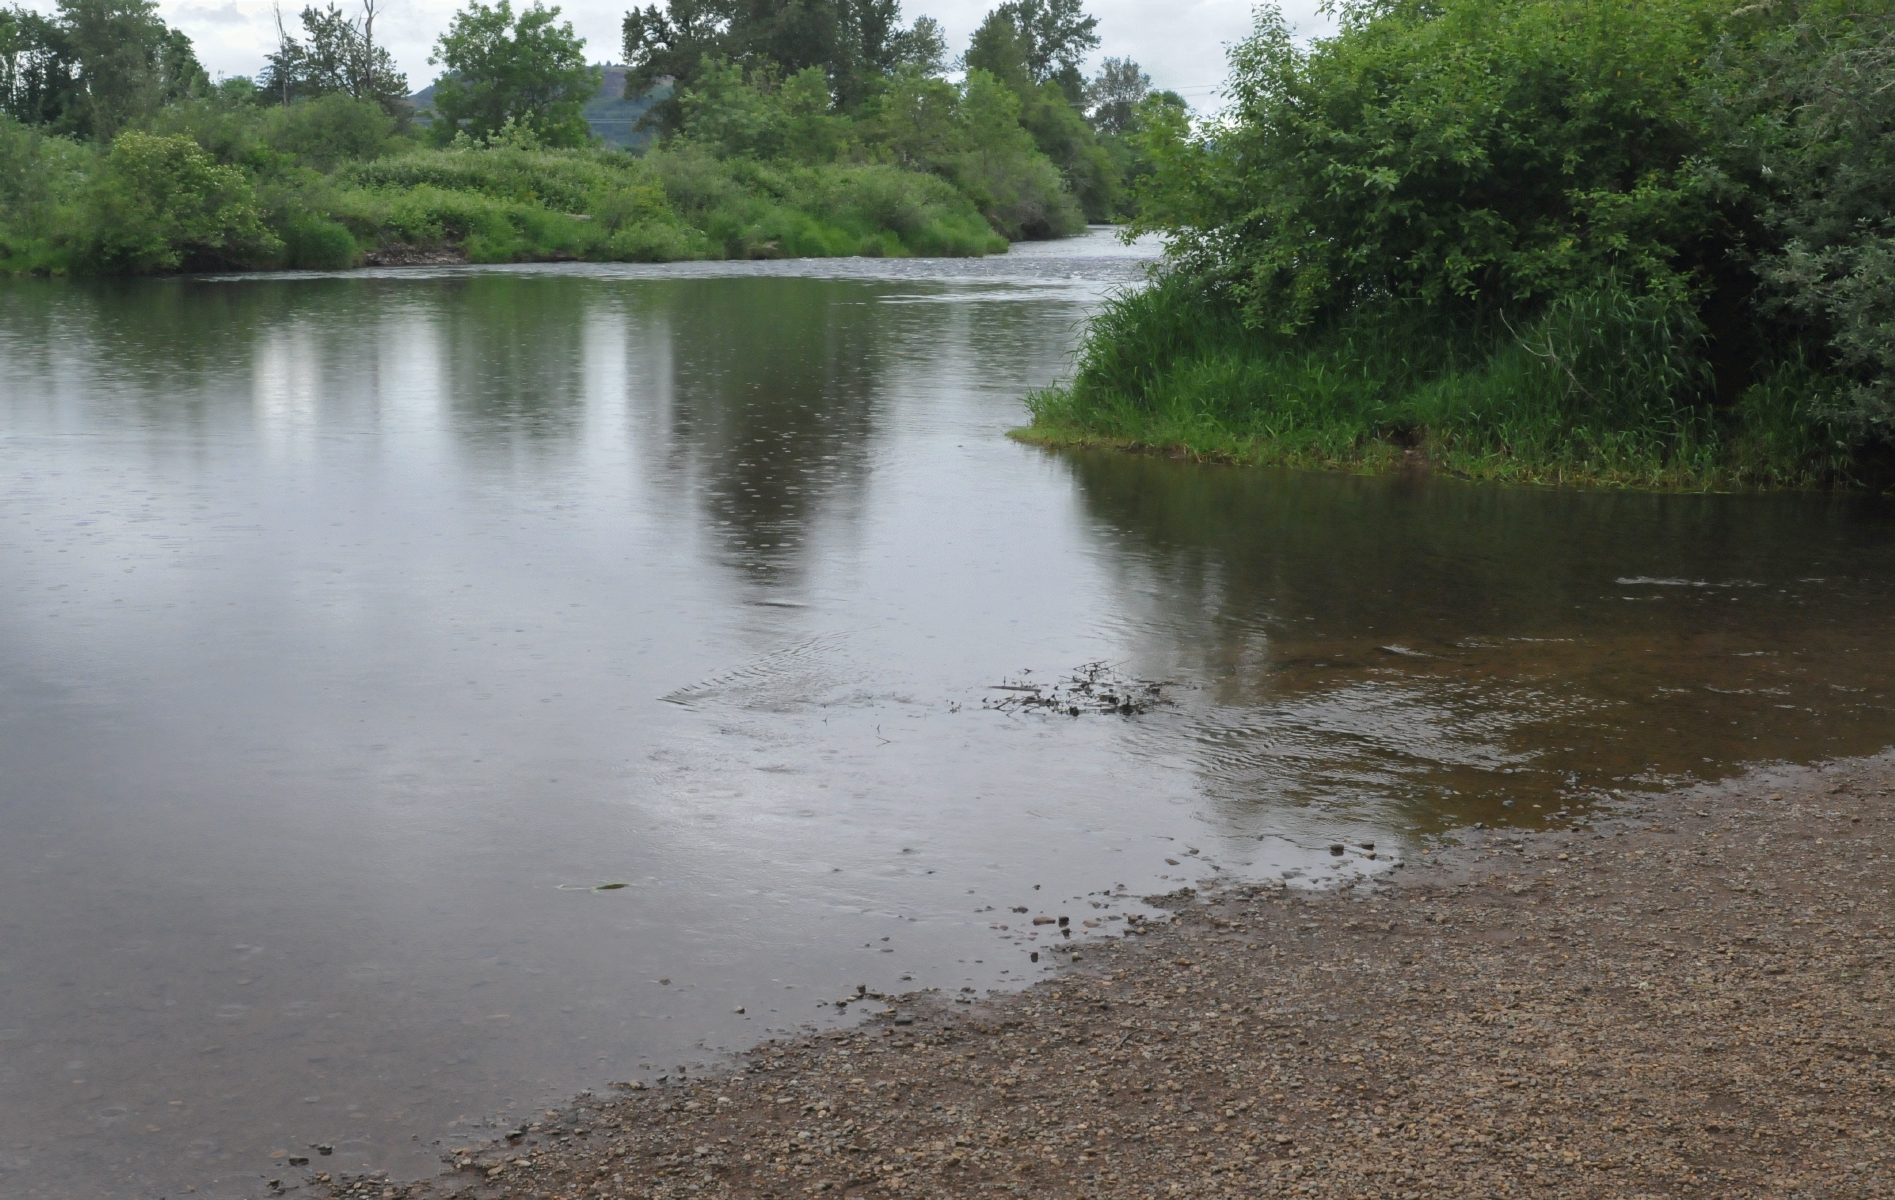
95,68
40,180
854,42
526,71
1115,94
757,115
1818,126
1586,394
321,133
1032,47
162,203
969,134
312,169
1540,238
1040,41
1470,154
338,56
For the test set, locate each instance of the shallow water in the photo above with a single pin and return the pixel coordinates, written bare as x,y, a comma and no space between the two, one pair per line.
353,630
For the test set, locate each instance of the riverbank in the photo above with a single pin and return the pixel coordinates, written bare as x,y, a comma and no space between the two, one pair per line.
1170,370
1689,996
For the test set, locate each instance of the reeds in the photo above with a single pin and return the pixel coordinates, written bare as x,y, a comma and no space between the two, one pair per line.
1602,387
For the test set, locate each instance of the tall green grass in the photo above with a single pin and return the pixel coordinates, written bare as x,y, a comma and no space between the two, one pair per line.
504,204
494,204
1596,390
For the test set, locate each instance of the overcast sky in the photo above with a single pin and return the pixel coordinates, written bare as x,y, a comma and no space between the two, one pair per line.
1180,42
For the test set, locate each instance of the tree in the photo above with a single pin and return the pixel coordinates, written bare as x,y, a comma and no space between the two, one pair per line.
1033,48
94,68
1000,48
855,42
1467,157
526,71
1048,38
1812,127
161,203
1115,94
39,72
923,47
337,57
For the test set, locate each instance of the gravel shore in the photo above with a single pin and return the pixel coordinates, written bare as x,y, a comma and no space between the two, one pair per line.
1690,997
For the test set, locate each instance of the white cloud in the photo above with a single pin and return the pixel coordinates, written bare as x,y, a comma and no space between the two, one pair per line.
1180,42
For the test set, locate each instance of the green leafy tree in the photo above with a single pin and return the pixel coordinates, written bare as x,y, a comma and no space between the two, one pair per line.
39,70
1471,155
1812,142
162,203
95,67
524,74
857,43
922,46
1000,48
1042,40
337,56
1032,47
757,115
1115,94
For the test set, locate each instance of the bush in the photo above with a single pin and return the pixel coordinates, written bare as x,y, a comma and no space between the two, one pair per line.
40,180
1588,393
163,204
318,244
1603,239
328,131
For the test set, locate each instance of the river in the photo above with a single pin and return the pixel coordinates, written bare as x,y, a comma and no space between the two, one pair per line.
359,633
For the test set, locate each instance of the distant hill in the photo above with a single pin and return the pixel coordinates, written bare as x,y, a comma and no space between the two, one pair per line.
613,118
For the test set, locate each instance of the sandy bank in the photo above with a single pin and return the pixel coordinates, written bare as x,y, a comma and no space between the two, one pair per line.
1689,998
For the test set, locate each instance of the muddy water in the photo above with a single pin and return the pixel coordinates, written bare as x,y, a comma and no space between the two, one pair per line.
354,631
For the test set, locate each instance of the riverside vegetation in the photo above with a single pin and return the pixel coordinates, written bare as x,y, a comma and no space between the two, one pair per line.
783,131
1639,242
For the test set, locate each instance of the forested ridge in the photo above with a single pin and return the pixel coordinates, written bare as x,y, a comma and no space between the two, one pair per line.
777,128
1615,241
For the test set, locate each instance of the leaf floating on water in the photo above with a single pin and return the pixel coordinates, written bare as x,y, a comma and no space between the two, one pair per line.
609,887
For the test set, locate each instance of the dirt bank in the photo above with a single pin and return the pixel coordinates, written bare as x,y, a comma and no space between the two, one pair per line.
1692,998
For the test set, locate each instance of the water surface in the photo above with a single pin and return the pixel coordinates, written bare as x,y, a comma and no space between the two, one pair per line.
355,629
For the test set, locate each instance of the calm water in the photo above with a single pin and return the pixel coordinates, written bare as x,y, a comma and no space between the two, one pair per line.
353,630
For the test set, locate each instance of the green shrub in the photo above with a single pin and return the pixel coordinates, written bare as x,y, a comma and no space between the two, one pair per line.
328,131
1601,239
1589,393
318,244
163,204
40,180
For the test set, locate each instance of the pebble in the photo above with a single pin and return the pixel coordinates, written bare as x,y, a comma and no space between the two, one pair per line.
1645,1007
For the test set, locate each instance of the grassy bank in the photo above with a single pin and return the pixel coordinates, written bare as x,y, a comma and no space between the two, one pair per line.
1590,393
119,155
1623,242
330,184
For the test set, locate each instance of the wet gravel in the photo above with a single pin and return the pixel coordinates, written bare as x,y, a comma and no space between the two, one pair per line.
1690,997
